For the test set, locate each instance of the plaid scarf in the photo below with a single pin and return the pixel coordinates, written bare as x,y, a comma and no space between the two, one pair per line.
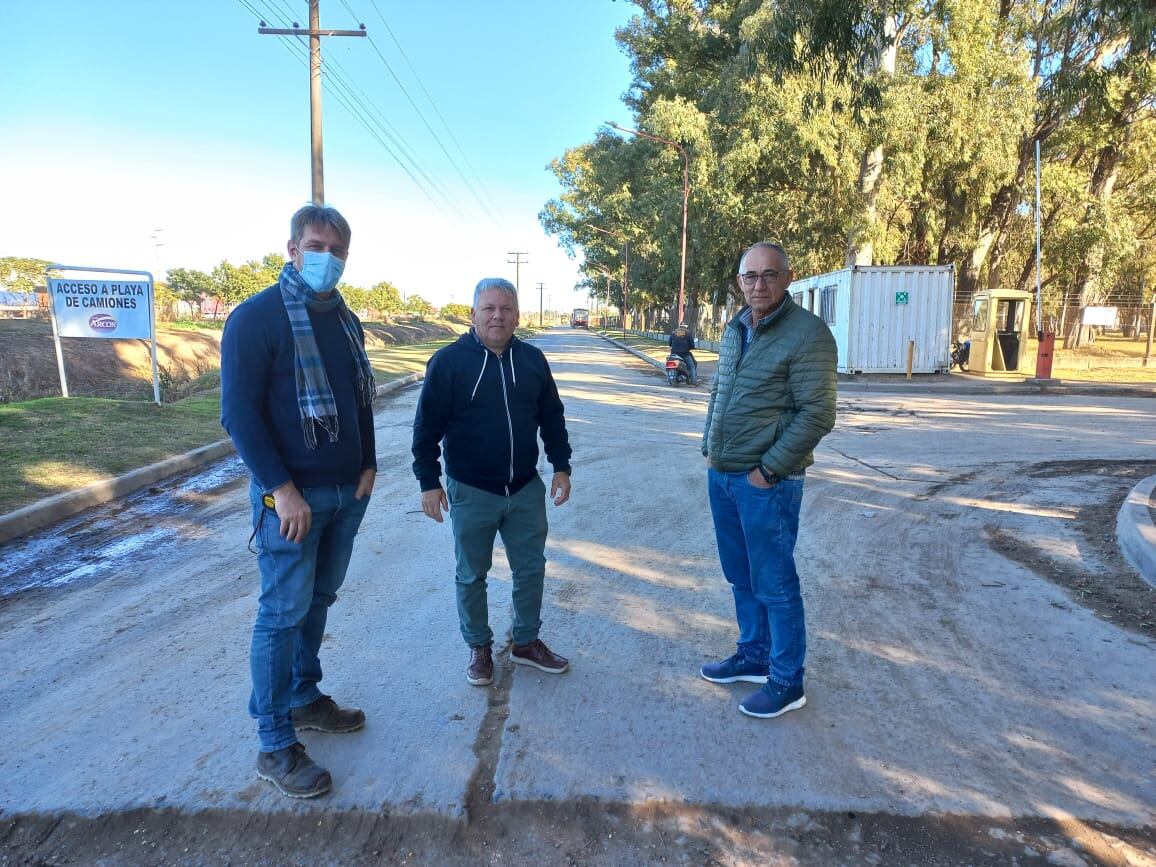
314,395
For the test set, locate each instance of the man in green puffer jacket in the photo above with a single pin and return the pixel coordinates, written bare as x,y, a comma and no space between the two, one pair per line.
772,400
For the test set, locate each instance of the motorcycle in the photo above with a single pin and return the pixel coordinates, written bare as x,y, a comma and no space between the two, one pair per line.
960,352
676,369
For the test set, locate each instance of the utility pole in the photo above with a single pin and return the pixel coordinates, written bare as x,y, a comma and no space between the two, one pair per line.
541,287
158,242
314,33
517,262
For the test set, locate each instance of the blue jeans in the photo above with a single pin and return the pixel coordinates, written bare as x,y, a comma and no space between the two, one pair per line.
477,517
756,529
298,584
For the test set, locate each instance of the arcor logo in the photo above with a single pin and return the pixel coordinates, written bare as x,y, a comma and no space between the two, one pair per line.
101,322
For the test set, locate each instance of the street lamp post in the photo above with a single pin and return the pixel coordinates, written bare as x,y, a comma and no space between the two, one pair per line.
685,202
625,269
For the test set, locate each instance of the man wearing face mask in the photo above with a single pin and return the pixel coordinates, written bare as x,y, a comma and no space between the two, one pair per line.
296,398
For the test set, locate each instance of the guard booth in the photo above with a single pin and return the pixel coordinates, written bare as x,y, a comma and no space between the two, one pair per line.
999,331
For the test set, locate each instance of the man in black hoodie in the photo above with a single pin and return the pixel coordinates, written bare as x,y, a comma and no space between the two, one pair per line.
484,401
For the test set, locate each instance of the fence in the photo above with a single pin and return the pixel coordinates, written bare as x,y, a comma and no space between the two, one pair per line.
1132,322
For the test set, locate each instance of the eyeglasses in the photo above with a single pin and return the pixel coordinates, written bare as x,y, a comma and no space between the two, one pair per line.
749,280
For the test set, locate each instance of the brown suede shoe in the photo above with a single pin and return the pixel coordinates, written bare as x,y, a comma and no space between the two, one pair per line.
325,715
538,655
481,670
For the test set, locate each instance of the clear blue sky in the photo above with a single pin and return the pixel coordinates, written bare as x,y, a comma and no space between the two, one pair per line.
124,118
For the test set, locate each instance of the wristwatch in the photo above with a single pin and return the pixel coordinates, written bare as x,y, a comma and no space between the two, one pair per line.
769,477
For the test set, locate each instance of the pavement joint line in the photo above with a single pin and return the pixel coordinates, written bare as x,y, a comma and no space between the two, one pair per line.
482,788
42,513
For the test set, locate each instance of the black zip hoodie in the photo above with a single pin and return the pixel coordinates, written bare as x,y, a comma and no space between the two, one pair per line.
485,411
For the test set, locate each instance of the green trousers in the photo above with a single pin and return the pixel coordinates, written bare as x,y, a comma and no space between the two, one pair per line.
477,517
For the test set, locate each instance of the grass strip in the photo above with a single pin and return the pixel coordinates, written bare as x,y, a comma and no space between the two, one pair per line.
57,444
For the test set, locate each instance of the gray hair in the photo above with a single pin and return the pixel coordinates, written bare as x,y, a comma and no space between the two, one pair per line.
319,215
766,245
487,284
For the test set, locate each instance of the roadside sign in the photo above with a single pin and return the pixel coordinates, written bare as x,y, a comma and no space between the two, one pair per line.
102,308
121,308
1105,316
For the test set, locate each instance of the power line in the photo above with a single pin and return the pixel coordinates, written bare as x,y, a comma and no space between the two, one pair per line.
433,104
356,108
366,102
485,208
360,115
315,34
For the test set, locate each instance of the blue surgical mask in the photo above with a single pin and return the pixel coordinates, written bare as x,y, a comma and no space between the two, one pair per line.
320,271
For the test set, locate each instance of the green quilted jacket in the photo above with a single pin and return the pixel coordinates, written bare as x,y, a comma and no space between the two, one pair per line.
773,404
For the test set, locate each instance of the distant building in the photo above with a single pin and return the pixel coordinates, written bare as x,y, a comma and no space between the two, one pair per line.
23,305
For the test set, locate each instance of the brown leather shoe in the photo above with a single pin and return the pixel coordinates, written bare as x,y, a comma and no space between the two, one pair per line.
538,655
481,670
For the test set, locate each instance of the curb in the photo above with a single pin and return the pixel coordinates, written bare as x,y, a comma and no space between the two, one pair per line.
636,352
1135,531
56,508
1027,387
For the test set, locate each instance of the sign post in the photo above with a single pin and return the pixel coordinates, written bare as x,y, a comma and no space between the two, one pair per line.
92,307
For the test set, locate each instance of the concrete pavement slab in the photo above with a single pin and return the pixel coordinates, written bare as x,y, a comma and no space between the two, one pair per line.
942,676
923,697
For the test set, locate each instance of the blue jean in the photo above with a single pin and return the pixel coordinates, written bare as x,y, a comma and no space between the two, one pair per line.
756,529
477,517
298,584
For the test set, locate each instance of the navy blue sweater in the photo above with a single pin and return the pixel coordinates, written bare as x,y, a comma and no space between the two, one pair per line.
259,398
486,411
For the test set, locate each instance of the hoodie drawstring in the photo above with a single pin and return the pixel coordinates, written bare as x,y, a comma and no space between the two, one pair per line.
485,358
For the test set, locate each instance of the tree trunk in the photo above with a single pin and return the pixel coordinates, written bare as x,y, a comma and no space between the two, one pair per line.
1086,285
860,250
1003,205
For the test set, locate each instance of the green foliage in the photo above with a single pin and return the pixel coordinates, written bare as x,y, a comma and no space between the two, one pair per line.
190,286
456,311
385,299
902,132
356,298
234,283
18,274
415,305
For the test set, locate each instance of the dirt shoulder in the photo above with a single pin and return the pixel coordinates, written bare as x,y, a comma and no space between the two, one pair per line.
574,833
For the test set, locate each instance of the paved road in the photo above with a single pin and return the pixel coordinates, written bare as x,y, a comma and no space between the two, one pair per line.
942,677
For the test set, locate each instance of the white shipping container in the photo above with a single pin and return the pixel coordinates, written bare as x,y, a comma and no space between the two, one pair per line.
874,311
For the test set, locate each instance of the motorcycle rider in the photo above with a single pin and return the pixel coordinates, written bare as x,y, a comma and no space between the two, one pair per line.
681,343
